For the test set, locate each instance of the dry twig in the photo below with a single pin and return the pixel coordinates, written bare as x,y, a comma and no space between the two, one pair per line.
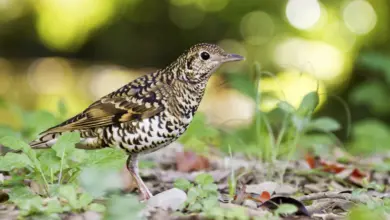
334,195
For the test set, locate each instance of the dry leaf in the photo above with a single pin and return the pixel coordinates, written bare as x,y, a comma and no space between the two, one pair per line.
189,161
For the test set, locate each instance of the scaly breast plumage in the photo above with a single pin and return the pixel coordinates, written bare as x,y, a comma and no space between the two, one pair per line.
149,134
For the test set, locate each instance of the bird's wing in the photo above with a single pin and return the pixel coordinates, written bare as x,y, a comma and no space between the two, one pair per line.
123,105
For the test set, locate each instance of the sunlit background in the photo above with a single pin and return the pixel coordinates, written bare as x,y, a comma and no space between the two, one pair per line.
79,50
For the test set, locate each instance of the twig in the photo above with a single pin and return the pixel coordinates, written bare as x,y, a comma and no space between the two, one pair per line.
318,207
321,207
309,173
332,195
329,216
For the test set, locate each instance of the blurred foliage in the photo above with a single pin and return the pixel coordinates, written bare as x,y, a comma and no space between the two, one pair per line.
87,44
323,83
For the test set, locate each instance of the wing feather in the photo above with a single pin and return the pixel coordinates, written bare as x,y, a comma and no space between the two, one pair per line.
114,108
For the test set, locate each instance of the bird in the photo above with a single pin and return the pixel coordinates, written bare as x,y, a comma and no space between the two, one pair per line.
147,113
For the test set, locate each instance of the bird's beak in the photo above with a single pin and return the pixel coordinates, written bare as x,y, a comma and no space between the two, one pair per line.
232,57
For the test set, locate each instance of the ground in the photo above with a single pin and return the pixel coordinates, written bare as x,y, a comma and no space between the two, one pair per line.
311,188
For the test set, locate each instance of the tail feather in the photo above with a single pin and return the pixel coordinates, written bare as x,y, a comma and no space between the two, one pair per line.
45,141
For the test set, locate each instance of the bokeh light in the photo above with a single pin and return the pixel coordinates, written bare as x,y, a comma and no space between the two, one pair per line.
320,59
106,80
290,86
66,24
303,14
322,39
48,75
11,9
359,16
226,107
257,27
345,40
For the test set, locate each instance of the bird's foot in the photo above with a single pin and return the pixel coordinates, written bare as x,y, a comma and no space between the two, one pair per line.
145,193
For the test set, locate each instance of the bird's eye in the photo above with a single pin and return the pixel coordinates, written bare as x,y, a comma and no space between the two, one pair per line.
205,55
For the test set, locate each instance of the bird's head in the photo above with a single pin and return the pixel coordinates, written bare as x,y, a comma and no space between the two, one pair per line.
201,60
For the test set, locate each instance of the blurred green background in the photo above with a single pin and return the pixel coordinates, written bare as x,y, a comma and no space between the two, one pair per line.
79,50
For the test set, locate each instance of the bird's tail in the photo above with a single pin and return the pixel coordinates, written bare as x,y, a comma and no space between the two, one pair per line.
45,141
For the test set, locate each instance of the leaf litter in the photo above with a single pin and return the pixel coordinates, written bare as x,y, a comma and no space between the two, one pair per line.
314,188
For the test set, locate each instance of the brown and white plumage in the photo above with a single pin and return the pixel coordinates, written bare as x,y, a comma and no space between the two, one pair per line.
148,113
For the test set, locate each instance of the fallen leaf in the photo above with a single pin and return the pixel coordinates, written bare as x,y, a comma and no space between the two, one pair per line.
356,173
268,186
265,196
310,160
189,161
332,167
357,177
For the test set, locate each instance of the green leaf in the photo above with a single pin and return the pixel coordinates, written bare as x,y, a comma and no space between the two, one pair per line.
300,122
204,179
53,206
121,207
77,156
373,133
377,61
35,122
7,131
50,163
97,207
286,209
14,143
195,207
210,203
198,132
192,195
107,158
243,83
210,187
196,144
308,104
373,94
182,184
362,212
20,193
98,181
26,200
66,144
69,193
286,107
232,184
324,124
14,161
85,199
32,205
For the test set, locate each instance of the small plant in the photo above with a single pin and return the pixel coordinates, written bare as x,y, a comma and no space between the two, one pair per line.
277,134
202,196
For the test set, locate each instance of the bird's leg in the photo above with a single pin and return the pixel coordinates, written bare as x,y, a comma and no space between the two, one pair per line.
132,166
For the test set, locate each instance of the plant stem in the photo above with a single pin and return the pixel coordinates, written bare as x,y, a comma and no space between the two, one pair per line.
61,167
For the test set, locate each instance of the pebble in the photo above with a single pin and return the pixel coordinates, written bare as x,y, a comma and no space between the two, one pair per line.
170,199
